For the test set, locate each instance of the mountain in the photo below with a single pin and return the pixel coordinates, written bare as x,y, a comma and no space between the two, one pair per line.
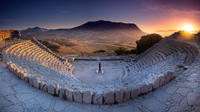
90,36
106,25
35,29
104,31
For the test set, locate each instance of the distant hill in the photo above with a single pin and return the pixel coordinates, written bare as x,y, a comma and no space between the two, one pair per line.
101,31
89,37
35,29
102,25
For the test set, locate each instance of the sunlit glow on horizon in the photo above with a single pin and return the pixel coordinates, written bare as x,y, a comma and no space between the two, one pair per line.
188,28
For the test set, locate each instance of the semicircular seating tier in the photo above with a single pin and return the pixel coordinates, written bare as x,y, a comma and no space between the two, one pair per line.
145,72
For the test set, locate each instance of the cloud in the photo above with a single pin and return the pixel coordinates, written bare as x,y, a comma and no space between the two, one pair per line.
166,31
182,5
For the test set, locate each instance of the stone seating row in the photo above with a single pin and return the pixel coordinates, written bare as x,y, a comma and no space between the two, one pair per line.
150,72
117,96
31,52
163,51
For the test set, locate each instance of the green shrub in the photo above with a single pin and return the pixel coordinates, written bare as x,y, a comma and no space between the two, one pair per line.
100,51
133,51
146,42
121,50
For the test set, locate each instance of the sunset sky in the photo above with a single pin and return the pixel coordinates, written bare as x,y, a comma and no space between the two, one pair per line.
152,16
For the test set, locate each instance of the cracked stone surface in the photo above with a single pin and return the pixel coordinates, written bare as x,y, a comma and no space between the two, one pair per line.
179,95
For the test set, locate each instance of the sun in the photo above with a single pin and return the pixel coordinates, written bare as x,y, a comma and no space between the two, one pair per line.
188,28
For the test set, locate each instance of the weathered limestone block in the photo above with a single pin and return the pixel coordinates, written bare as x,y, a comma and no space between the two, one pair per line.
162,81
108,98
171,75
31,81
38,83
62,92
127,94
51,89
119,95
166,78
16,71
135,93
156,83
10,68
146,88
23,76
78,96
87,97
35,82
57,89
68,94
97,99
45,87
19,75
42,84
26,79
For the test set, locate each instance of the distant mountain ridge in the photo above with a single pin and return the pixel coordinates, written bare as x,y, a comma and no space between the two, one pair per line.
106,25
93,25
35,29
100,31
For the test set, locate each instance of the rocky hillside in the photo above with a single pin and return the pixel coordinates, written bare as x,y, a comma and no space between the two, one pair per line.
89,37
4,34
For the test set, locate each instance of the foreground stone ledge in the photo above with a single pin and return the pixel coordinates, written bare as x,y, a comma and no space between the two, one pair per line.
119,95
31,81
156,83
127,95
171,75
35,83
97,99
62,93
135,93
87,97
162,81
146,88
57,90
45,88
68,94
108,98
51,89
43,85
78,96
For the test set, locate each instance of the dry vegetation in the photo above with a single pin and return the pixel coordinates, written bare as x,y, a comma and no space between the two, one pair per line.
69,46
